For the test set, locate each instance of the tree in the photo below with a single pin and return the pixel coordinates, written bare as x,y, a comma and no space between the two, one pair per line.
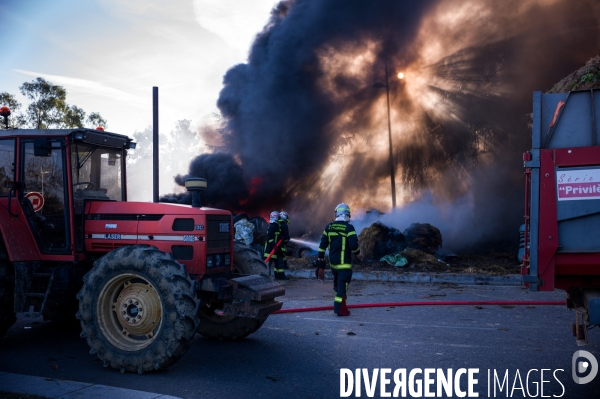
96,119
48,104
48,108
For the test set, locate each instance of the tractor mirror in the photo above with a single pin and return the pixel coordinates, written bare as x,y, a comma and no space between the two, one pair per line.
42,148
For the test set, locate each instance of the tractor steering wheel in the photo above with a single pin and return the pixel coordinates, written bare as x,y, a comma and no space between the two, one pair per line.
89,186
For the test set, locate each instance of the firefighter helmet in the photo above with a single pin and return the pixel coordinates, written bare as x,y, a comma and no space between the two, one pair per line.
284,216
342,209
274,217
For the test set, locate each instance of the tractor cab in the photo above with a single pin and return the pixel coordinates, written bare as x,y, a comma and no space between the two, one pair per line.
49,175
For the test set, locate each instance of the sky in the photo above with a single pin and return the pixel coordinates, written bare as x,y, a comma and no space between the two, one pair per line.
108,54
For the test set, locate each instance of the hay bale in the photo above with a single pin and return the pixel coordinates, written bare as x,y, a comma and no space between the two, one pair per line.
424,237
418,257
379,240
586,77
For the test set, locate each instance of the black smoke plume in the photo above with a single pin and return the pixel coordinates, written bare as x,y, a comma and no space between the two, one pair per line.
302,120
226,184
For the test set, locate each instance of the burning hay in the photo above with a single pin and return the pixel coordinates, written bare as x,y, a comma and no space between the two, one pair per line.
379,240
424,237
419,258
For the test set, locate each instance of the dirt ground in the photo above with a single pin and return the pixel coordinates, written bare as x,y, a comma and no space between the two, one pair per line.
493,263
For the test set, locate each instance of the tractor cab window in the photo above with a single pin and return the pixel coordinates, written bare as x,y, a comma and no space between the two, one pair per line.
97,172
43,197
7,163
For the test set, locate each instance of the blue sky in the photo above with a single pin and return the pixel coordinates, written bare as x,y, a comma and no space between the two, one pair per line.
109,54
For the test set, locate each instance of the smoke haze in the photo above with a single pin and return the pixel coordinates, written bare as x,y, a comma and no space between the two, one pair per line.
303,128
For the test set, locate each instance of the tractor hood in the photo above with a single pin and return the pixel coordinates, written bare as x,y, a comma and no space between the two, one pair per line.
195,232
141,209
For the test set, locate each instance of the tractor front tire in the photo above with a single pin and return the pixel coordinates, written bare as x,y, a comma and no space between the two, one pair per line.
248,261
214,325
138,309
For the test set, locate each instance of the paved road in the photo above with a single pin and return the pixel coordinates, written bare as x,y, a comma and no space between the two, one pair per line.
299,355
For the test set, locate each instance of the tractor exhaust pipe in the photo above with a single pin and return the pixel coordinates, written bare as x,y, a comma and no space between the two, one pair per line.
196,185
154,144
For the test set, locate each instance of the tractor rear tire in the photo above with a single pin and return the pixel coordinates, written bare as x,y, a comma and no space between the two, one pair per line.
216,326
138,309
7,291
248,261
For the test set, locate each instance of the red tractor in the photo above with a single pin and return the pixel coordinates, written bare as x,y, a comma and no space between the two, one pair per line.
142,278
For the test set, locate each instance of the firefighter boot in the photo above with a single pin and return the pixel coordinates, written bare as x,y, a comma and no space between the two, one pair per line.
343,308
281,276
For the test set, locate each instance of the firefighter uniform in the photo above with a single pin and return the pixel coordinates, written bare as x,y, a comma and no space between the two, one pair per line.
284,221
274,234
341,240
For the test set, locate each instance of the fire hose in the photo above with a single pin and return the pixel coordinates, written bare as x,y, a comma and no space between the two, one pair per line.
439,303
273,251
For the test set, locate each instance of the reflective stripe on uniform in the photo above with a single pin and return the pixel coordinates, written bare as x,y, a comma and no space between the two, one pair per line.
342,266
343,248
337,299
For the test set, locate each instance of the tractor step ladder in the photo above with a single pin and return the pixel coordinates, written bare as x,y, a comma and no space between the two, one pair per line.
38,293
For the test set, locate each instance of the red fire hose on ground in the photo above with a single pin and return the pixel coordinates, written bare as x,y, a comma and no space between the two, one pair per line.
439,303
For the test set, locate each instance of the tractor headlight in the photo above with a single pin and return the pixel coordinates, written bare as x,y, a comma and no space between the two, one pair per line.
209,261
217,260
227,259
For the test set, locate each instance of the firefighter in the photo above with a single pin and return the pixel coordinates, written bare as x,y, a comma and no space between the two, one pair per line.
340,237
273,244
284,221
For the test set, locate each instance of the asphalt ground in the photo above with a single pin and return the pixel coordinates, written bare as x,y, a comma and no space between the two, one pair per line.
300,355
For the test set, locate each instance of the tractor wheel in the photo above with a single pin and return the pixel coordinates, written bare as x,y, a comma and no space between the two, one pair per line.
248,261
137,309
214,325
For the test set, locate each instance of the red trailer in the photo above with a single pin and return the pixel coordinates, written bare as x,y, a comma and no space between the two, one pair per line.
562,203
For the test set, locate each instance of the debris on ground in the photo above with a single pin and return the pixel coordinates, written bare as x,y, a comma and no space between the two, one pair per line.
491,263
379,240
424,237
395,260
420,245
